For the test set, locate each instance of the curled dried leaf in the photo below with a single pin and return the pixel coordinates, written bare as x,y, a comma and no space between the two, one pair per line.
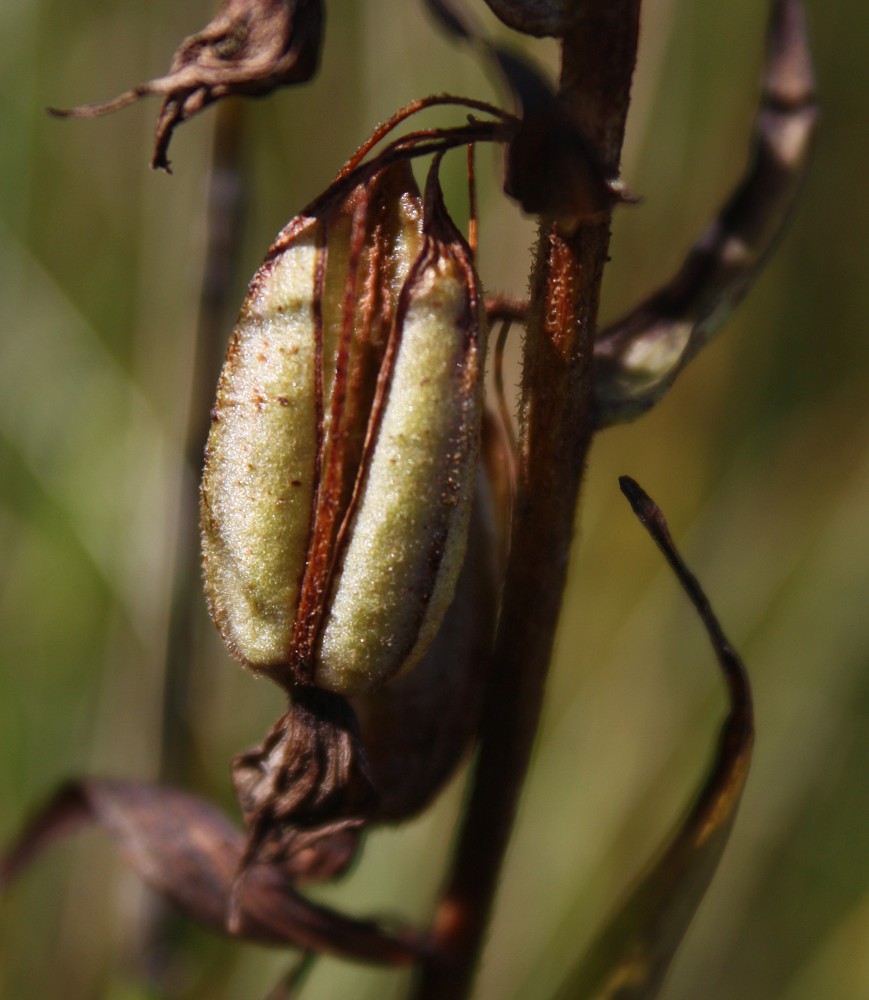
631,956
189,852
640,356
249,48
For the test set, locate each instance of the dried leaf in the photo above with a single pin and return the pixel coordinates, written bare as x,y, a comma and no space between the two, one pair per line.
189,852
631,957
249,48
640,356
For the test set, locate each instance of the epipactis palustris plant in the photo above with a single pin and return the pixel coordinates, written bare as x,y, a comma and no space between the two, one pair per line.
380,542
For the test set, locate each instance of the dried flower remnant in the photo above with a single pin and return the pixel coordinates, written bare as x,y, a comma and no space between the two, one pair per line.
340,467
249,48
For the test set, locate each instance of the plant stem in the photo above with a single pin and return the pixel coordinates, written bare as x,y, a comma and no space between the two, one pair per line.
598,58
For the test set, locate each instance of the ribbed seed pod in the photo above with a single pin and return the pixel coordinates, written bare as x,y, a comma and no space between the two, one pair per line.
340,465
418,728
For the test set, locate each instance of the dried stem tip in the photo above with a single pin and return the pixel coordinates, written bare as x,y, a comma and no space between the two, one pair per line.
249,48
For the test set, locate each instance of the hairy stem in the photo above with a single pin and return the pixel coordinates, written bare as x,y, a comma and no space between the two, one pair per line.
598,58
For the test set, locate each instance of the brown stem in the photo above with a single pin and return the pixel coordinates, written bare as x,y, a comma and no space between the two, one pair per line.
597,64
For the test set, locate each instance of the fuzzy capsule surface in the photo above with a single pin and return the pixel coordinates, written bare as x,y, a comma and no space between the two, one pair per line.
340,465
258,482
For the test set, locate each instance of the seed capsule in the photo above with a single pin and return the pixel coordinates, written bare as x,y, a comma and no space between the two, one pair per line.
417,729
340,465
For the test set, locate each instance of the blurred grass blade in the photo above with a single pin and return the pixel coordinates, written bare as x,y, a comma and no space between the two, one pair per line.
631,957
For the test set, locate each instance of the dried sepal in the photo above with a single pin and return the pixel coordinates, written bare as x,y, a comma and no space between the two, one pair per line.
249,48
630,958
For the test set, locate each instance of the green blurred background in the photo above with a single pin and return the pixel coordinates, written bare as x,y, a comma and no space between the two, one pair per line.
760,458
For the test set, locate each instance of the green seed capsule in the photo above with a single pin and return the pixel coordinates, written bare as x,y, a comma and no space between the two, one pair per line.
258,483
339,469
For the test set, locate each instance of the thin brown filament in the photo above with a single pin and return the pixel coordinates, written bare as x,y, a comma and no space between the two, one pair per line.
413,108
473,218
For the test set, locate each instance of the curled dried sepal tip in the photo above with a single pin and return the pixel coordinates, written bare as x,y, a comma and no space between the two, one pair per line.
249,48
